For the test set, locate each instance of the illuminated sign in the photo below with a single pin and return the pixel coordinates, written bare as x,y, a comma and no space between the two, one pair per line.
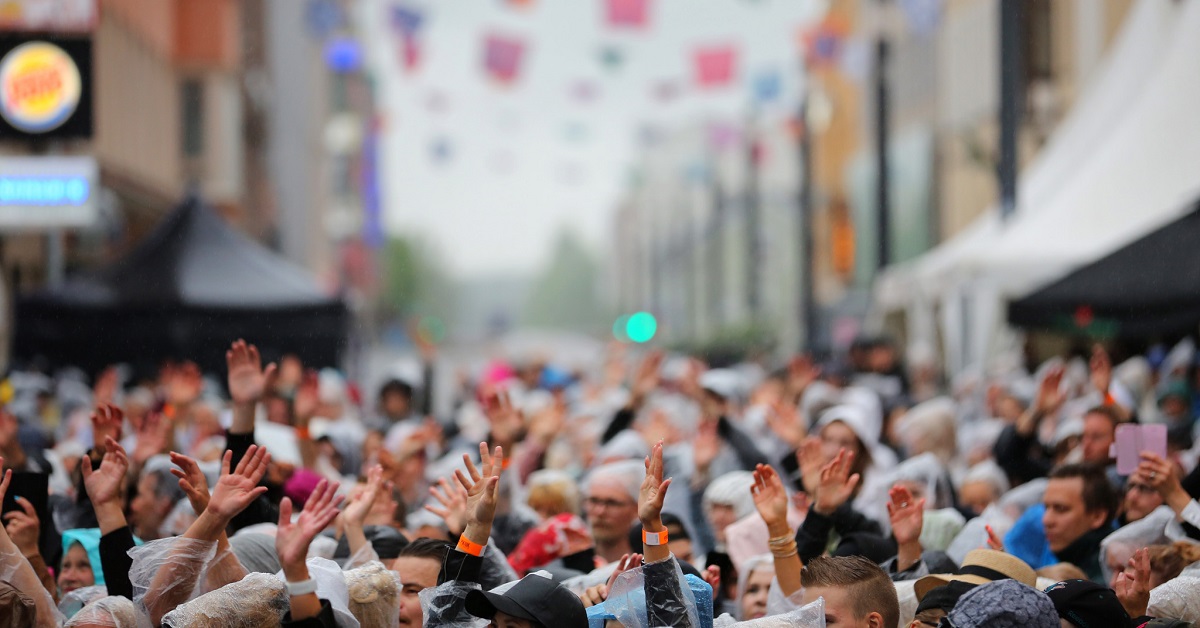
39,87
45,87
47,192
58,16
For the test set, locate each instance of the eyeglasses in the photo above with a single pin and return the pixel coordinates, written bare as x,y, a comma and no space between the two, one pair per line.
1141,488
597,504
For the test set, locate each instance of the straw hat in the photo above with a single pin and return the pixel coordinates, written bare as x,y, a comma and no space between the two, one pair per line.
981,566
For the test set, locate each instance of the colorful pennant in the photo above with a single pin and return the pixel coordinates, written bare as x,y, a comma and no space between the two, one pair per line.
627,13
502,57
715,66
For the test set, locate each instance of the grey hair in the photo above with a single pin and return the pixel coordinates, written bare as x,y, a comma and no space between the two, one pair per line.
628,473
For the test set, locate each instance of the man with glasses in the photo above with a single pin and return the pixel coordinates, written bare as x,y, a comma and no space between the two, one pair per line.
1140,500
610,505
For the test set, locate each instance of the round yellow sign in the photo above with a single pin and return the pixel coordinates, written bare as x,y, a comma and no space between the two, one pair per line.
39,87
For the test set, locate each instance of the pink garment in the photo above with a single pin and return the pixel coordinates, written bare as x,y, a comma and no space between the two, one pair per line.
747,537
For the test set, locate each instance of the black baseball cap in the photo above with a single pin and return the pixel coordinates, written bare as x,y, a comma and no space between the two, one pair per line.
1087,604
535,598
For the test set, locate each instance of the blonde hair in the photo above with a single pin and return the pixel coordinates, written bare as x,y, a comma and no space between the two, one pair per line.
552,492
1060,572
1167,561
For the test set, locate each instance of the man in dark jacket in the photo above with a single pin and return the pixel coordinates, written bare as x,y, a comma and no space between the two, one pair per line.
1080,508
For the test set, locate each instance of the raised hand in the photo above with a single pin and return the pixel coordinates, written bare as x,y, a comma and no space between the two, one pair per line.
247,378
1133,585
191,481
994,542
355,512
23,528
706,446
105,389
237,490
483,492
184,383
307,399
1050,395
811,460
107,422
785,422
646,379
770,498
153,436
801,373
292,538
453,500
1162,475
1101,369
653,492
907,515
507,421
837,483
103,485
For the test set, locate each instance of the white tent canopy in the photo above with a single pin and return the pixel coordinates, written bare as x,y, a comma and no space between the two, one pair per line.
1117,88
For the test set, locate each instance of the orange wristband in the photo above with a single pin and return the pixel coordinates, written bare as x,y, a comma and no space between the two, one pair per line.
302,434
505,462
654,538
467,546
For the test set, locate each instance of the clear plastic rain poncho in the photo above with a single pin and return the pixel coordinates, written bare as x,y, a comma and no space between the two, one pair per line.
1117,548
259,599
331,586
808,616
440,602
74,601
15,570
108,612
1177,599
182,561
626,601
374,595
925,475
1001,515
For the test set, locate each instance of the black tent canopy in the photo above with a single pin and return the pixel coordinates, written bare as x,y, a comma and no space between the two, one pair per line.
1146,289
185,292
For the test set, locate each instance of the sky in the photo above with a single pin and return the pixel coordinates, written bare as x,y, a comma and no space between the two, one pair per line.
489,174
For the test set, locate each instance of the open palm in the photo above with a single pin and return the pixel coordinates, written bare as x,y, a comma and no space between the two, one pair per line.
482,484
292,538
770,498
907,515
356,511
235,491
104,484
247,378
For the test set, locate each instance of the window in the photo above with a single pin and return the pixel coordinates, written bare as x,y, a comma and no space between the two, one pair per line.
192,99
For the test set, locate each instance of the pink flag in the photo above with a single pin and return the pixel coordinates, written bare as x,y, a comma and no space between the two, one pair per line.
502,57
715,66
410,53
627,13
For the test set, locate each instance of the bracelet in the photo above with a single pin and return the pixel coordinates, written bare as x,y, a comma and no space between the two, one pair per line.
302,434
304,587
654,539
780,540
468,546
793,552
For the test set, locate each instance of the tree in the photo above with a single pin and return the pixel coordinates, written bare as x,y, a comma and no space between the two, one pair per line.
566,293
415,283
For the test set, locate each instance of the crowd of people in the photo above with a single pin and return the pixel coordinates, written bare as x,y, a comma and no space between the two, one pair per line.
640,491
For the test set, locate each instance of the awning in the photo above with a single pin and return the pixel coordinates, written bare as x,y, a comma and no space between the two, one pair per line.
1110,97
1149,288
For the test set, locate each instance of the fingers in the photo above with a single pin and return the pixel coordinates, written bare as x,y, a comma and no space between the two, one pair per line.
471,470
226,459
463,481
111,446
29,510
285,512
441,512
5,482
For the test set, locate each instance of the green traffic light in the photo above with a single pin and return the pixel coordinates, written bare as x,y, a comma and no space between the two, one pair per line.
641,327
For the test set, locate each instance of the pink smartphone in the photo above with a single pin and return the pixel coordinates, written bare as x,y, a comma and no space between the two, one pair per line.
1128,448
1132,440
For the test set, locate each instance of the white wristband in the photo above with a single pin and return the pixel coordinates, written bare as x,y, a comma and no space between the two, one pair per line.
304,587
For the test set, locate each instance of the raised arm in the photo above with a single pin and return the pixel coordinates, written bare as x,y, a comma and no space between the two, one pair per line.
225,567
907,517
664,591
233,493
771,500
355,512
248,381
104,489
292,540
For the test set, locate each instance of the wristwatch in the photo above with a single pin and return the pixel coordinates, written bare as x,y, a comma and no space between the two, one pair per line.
304,587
